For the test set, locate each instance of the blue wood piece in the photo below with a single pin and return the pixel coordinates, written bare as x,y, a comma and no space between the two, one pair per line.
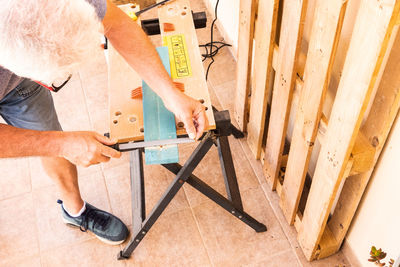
159,123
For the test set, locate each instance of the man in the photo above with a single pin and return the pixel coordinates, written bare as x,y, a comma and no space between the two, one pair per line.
45,41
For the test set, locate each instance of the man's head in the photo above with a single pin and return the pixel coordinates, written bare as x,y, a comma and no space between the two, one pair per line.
46,40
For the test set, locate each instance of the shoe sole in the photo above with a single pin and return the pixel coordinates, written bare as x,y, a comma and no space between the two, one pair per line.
113,243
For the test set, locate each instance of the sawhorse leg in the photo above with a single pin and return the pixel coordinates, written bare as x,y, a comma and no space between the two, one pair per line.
201,186
137,189
233,204
228,171
169,194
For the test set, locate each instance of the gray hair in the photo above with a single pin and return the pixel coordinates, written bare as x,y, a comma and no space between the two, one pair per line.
47,40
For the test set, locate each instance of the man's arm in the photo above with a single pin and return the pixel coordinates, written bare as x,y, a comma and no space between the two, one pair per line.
132,43
81,148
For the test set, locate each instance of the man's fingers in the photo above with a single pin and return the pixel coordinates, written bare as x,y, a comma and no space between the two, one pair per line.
109,152
102,158
189,126
104,140
202,123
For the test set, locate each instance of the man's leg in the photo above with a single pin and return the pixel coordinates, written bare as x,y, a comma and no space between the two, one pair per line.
65,175
31,106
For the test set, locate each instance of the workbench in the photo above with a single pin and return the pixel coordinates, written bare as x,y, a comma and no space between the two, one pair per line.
127,123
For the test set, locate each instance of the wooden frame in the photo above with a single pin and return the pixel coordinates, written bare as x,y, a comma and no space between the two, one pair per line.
265,30
353,134
372,31
245,51
327,25
289,43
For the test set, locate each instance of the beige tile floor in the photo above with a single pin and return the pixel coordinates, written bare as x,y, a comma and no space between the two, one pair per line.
193,231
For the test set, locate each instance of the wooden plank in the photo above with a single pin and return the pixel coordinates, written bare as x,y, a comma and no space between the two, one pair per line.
289,46
244,61
373,27
327,244
159,122
376,129
126,115
179,14
264,36
363,152
327,25
363,155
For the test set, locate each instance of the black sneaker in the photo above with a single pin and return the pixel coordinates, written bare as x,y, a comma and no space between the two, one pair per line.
105,226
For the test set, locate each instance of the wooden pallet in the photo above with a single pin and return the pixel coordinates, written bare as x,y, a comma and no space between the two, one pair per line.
346,141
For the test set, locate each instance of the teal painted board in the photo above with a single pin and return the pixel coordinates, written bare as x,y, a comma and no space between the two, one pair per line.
159,122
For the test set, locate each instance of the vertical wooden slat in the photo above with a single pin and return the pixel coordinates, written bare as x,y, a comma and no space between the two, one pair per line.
369,43
264,36
244,59
289,46
384,109
326,29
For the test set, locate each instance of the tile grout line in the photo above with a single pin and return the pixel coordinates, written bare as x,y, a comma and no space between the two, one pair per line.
270,202
85,100
92,127
198,227
34,207
37,228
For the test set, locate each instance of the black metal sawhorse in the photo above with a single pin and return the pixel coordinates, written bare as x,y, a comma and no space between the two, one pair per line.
233,204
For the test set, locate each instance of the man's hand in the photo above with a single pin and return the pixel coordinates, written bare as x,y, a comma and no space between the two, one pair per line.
87,148
190,111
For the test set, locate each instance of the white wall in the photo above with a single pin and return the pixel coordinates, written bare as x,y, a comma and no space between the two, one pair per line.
228,19
377,222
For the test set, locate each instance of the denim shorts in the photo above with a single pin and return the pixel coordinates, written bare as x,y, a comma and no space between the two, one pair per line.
30,106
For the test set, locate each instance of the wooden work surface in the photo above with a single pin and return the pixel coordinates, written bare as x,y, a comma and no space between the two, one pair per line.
126,114
179,14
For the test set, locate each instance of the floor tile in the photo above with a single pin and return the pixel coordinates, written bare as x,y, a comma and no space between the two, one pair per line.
71,107
87,253
209,171
224,93
224,68
18,229
95,67
114,162
41,179
15,179
174,240
96,93
285,258
22,260
156,179
53,232
230,242
337,260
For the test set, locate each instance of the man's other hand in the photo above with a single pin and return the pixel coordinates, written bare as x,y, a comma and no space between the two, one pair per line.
190,111
87,148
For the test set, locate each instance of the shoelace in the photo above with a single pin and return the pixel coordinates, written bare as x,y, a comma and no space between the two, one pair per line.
98,219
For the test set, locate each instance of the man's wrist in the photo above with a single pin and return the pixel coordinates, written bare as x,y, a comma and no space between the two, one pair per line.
169,93
54,142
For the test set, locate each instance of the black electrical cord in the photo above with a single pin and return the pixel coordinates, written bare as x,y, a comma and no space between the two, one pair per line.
210,53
